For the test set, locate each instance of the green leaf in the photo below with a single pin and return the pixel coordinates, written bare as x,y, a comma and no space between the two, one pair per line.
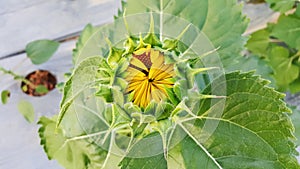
148,158
27,110
288,30
257,64
40,51
221,22
295,86
88,44
281,5
41,89
70,153
60,86
5,94
252,131
82,78
188,155
285,71
259,42
87,125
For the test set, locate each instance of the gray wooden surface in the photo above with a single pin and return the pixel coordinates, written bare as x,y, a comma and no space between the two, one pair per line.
25,20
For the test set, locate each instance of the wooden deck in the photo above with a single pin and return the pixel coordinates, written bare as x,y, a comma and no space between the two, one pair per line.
28,20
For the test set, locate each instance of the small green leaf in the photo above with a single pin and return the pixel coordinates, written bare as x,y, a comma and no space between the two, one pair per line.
5,94
40,51
259,42
27,110
60,86
288,29
284,71
295,86
41,89
24,88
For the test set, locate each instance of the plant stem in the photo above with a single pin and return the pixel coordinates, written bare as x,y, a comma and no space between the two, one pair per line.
16,77
297,55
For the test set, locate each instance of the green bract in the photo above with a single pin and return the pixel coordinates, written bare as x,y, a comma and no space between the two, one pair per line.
206,120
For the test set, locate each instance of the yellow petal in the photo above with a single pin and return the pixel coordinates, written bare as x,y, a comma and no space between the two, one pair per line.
155,93
133,86
163,75
154,55
140,93
158,62
136,62
146,96
169,82
160,88
132,79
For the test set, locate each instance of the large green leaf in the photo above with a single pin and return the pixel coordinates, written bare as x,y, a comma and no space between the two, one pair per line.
221,21
252,112
188,155
81,79
69,152
150,162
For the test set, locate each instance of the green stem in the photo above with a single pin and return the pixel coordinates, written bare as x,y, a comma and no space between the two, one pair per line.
297,55
16,77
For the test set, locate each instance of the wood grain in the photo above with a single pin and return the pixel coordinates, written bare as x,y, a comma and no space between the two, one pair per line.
22,22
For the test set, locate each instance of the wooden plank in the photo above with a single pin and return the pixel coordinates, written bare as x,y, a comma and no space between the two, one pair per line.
49,19
15,5
259,15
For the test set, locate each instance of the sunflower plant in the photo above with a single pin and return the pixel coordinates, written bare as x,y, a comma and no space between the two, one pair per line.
152,90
